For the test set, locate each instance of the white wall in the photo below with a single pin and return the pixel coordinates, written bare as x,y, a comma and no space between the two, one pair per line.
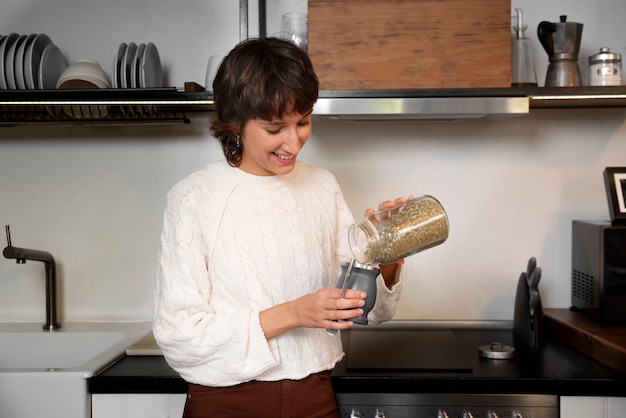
94,197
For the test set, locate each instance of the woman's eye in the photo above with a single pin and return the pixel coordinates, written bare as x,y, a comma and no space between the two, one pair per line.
273,132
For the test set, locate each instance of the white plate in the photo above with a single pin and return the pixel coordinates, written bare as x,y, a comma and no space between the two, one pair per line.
3,82
136,66
20,55
151,72
117,65
4,51
52,65
135,76
2,39
32,60
126,65
9,62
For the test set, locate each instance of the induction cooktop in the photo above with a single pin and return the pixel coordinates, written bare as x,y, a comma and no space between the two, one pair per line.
414,350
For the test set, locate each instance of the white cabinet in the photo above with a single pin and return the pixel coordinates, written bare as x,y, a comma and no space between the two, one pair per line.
592,407
160,405
615,407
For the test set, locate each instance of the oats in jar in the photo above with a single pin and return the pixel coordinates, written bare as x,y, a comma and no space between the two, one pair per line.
388,236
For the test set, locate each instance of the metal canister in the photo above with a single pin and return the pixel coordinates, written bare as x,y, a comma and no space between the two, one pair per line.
605,68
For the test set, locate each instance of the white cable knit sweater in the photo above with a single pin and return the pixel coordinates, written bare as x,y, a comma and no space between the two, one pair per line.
234,244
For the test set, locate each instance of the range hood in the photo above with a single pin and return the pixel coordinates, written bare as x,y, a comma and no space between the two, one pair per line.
400,105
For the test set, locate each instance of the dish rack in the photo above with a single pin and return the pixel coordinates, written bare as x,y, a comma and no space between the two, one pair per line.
108,106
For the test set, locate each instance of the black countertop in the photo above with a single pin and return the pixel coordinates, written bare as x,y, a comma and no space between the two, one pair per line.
556,369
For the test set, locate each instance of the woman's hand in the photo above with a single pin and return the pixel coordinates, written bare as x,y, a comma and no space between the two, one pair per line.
324,308
391,205
386,209
321,309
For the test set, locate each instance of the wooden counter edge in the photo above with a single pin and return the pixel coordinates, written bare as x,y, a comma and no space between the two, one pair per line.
605,343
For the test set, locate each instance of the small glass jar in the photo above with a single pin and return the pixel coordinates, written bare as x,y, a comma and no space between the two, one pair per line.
605,68
392,234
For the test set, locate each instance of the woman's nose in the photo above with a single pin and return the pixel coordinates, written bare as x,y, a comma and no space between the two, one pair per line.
293,141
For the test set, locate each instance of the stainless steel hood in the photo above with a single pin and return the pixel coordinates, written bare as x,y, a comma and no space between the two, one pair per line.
371,108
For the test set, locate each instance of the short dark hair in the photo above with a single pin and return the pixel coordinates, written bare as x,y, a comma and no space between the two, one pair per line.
260,78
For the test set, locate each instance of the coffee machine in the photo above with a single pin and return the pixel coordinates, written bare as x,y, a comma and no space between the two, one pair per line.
562,43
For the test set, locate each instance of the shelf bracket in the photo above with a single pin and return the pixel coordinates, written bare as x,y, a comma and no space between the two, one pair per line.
243,20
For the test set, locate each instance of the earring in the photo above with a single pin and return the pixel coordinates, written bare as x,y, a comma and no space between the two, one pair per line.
239,141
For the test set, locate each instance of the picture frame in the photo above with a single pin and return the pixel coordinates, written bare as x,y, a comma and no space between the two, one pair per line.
615,183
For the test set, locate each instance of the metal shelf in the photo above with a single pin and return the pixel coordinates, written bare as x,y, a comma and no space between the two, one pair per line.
459,103
540,97
171,105
102,106
577,97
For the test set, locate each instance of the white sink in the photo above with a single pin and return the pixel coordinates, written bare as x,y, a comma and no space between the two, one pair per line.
54,351
54,367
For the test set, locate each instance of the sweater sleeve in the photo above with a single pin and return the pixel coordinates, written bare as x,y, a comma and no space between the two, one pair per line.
386,300
204,345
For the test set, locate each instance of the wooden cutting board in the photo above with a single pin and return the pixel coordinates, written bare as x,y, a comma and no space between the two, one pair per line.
147,346
604,342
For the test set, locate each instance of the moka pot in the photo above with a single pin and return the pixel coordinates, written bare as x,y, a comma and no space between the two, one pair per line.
562,43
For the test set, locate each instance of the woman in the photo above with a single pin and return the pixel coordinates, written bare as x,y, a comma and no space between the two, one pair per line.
252,248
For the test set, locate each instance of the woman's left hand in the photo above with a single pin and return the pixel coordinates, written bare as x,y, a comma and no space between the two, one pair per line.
389,207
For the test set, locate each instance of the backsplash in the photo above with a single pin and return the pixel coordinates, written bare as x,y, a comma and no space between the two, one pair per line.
94,197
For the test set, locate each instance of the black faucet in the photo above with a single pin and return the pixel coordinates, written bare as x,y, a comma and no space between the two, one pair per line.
21,255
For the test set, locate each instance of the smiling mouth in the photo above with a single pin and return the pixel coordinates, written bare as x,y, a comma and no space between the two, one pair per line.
284,157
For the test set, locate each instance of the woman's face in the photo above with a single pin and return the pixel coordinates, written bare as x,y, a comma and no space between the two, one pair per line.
270,147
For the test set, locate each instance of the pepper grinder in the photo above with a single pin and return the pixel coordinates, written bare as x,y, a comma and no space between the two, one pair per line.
522,67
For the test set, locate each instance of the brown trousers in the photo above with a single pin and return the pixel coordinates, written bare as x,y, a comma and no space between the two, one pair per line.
311,397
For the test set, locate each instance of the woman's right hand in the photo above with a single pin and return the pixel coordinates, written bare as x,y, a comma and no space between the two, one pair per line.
322,309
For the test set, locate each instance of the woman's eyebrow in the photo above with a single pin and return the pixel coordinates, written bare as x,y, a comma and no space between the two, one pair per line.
272,122
280,121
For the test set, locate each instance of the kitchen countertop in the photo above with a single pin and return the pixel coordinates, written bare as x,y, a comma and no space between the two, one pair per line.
555,369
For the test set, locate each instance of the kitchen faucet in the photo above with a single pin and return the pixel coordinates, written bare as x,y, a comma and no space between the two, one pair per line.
21,255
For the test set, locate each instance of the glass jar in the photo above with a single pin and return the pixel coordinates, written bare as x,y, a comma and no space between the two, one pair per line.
605,68
392,234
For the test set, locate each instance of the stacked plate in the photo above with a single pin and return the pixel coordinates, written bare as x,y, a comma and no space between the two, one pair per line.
137,66
29,62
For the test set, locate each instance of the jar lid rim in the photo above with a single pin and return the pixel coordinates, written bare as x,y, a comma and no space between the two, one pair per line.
605,55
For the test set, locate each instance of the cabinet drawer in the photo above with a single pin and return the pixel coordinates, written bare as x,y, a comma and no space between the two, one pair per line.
401,44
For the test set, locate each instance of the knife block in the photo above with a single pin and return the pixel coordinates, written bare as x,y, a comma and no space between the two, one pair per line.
528,330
